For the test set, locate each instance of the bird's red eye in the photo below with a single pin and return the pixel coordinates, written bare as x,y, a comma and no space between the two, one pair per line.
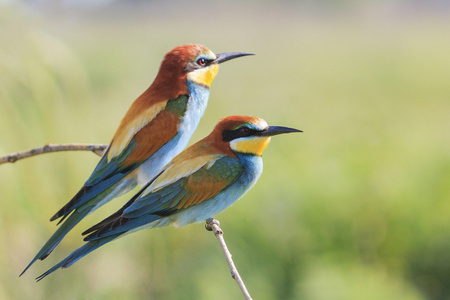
245,130
201,61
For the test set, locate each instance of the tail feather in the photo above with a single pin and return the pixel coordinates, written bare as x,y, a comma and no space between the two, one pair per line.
103,191
59,234
69,207
60,221
77,215
78,254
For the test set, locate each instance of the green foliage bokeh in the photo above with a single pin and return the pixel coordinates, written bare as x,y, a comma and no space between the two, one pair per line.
356,207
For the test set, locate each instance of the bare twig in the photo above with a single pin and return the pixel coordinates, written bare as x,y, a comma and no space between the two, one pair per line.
214,225
11,158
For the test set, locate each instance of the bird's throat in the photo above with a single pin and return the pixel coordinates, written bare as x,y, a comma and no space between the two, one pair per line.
204,76
253,145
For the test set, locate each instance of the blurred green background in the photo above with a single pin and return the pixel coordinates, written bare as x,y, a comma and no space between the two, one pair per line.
356,207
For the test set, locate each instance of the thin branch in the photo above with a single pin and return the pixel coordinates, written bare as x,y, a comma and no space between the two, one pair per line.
211,224
214,225
13,157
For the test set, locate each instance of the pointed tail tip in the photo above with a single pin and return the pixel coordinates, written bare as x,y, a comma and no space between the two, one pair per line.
58,215
38,256
24,270
29,265
39,278
54,217
65,263
42,276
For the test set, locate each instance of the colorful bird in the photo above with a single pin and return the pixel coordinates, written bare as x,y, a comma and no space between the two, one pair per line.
199,183
156,127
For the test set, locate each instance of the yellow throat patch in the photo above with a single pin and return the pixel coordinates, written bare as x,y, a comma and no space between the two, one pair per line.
254,145
204,76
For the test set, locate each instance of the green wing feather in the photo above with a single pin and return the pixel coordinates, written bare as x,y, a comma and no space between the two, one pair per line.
201,185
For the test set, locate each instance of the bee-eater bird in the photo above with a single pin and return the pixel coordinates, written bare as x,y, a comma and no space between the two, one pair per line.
156,127
197,184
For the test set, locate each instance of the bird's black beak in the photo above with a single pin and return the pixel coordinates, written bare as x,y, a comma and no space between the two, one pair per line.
222,57
274,130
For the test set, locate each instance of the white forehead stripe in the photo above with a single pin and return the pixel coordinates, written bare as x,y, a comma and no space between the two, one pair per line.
260,123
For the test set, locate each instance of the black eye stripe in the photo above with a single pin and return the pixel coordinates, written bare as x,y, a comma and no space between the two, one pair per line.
195,65
229,135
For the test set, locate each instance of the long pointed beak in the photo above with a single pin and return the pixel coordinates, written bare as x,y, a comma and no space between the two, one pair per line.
274,130
222,57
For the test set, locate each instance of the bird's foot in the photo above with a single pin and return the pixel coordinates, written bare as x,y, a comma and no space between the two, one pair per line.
210,222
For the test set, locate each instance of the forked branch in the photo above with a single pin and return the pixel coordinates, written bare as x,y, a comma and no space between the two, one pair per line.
214,225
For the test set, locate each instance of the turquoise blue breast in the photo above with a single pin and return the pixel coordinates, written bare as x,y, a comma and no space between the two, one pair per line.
196,106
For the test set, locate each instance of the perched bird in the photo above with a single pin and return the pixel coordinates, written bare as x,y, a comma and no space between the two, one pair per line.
199,183
156,127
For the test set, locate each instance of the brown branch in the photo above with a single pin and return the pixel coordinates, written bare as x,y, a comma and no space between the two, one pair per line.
13,157
214,225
